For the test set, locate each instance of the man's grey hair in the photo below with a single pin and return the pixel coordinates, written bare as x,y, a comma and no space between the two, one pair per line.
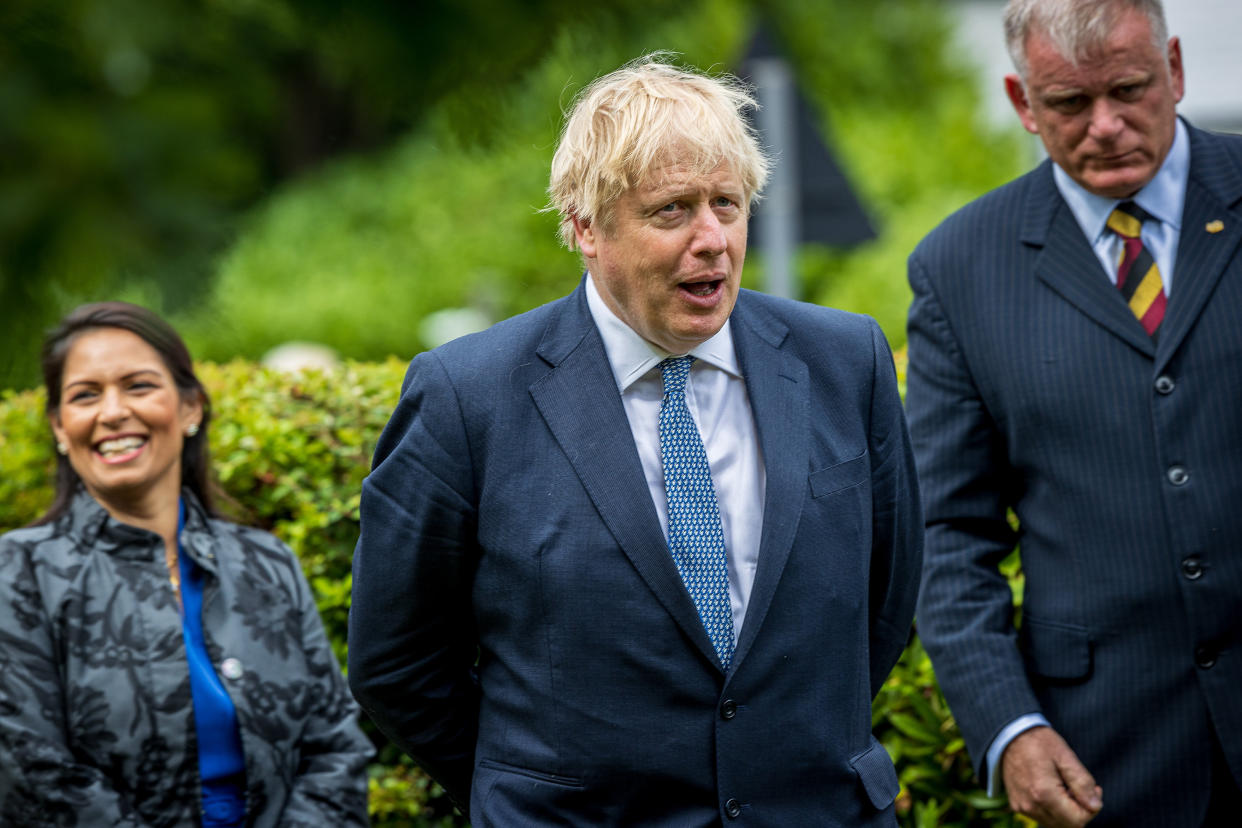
1076,27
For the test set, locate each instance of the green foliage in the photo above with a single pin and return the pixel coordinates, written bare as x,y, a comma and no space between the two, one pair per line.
290,452
871,278
914,723
902,114
123,153
197,175
419,230
358,253
136,133
27,458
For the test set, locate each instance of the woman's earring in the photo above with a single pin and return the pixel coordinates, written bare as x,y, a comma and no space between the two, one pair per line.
62,448
191,429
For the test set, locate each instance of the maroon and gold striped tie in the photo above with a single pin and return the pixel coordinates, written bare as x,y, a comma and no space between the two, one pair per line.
1138,278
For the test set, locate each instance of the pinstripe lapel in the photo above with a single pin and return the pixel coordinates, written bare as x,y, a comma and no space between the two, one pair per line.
578,399
1068,265
777,384
1215,186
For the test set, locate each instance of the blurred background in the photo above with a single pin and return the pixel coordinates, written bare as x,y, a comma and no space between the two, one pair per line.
266,171
368,175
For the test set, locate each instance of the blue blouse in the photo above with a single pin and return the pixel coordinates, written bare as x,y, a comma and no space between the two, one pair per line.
215,719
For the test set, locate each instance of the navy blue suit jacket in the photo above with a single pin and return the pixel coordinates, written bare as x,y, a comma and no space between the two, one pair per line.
519,627
1033,388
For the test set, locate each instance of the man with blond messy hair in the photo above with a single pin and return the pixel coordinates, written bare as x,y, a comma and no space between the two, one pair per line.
1074,342
644,555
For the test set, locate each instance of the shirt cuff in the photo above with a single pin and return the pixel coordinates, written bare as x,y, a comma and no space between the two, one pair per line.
1008,733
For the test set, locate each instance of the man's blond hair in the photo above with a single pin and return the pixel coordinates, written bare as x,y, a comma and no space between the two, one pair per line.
647,115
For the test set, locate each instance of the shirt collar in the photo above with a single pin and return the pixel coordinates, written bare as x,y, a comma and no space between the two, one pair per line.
630,356
1162,197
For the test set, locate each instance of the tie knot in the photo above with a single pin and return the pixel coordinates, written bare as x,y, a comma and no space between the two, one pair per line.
676,370
1127,219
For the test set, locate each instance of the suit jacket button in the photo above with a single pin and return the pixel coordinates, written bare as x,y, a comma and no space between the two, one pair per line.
733,809
1205,657
1192,568
1165,384
1178,475
231,668
728,709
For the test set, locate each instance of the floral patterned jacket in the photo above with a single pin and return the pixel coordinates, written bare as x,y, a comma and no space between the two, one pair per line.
96,716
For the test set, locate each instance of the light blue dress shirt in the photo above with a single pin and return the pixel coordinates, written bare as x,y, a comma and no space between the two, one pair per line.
717,399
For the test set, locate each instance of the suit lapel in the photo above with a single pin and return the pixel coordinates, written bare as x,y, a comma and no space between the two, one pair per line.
1068,265
578,399
1214,186
776,383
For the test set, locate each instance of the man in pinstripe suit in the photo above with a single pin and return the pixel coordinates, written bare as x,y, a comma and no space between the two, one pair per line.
1074,349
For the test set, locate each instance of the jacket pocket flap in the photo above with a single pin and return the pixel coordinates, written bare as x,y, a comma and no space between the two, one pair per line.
877,774
1056,651
536,775
841,476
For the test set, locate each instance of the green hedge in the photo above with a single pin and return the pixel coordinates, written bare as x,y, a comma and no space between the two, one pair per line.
290,451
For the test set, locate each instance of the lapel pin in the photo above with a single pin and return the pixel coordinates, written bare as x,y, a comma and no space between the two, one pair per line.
1215,226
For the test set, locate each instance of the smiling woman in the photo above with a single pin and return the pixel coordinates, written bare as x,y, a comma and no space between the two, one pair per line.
160,666
121,422
114,370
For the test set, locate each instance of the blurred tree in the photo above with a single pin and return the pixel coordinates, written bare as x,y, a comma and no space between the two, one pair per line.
133,133
358,252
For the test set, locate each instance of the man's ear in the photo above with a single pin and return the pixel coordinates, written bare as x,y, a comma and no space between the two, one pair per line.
584,235
1016,91
1176,76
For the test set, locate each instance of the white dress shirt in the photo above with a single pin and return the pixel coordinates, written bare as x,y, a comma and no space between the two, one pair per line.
1163,197
717,399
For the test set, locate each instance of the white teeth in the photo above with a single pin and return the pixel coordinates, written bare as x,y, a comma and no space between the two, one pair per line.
119,445
703,289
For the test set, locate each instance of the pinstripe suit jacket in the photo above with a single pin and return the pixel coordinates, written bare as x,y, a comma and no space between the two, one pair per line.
1033,388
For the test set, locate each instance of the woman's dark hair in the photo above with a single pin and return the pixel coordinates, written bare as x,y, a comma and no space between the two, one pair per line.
146,324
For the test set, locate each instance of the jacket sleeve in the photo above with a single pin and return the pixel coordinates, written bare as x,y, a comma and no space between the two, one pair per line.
965,607
41,783
331,783
412,643
897,520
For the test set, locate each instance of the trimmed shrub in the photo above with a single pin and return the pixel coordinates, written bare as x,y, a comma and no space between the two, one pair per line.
290,452
912,720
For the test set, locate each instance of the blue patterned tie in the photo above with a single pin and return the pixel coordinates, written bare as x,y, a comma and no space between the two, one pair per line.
694,534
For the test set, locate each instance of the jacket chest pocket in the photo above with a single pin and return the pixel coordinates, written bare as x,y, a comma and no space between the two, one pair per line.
834,534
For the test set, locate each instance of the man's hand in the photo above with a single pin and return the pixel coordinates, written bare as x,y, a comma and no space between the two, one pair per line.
1046,782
